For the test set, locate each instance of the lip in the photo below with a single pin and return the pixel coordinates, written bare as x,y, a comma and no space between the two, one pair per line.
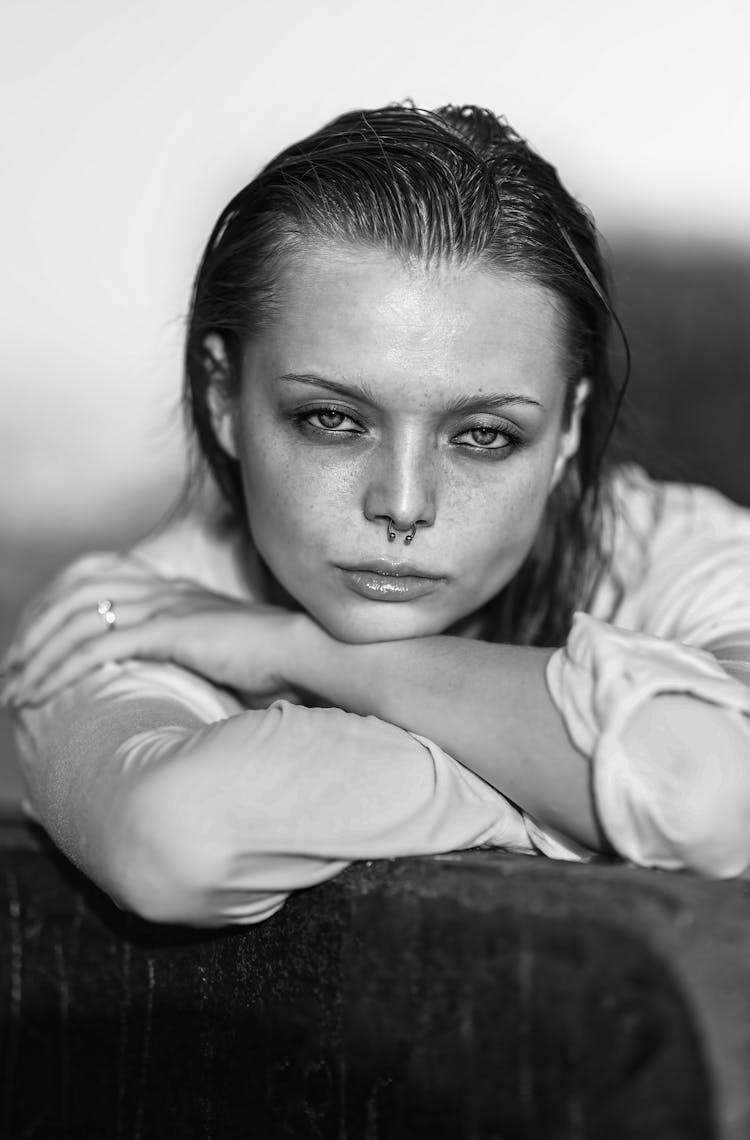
392,569
384,581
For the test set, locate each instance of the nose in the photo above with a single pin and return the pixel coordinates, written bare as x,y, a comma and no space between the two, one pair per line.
401,486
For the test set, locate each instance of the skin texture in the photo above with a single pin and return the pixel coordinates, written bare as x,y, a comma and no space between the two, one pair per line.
423,355
323,470
425,358
416,340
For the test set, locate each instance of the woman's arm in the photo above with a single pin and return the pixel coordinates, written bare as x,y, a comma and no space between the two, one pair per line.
185,805
649,736
183,817
487,705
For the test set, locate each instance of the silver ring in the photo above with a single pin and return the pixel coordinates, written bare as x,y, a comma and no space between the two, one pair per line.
106,610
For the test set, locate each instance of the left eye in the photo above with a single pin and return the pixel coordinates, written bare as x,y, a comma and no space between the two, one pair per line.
330,419
490,438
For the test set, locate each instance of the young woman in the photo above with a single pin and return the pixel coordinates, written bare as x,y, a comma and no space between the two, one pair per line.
413,607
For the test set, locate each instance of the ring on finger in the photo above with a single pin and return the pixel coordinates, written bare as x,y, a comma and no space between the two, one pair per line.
106,610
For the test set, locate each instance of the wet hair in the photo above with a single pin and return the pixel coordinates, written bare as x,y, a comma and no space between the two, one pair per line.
454,185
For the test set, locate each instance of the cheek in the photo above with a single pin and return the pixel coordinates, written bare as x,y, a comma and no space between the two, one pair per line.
294,500
495,524
274,493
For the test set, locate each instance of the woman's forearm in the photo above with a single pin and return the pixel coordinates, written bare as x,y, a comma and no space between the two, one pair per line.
187,809
486,705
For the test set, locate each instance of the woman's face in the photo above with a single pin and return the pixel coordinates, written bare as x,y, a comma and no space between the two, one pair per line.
427,396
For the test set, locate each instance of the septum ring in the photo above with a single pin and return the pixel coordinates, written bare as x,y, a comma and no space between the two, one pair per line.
409,538
106,610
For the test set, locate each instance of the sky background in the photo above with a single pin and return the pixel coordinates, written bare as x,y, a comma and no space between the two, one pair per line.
127,127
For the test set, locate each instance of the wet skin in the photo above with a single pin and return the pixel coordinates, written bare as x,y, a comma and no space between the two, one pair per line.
428,395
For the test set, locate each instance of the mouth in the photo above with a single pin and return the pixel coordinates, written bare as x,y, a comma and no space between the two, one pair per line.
385,581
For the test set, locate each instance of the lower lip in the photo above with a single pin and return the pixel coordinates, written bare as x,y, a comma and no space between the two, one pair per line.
388,587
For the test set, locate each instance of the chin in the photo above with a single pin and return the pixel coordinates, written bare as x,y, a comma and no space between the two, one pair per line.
391,625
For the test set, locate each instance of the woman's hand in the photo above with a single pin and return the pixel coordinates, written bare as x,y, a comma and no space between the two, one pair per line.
240,645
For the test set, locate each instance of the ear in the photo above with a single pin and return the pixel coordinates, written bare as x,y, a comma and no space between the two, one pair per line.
571,437
221,404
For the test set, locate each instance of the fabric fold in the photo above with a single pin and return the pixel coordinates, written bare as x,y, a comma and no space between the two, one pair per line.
659,799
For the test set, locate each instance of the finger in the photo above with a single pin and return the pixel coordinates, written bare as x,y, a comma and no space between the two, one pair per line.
100,564
97,565
88,582
136,580
148,639
47,644
86,596
84,626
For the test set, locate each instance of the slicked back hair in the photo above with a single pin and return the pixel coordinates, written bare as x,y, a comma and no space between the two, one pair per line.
457,186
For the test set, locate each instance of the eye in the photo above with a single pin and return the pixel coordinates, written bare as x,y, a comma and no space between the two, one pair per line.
329,420
486,437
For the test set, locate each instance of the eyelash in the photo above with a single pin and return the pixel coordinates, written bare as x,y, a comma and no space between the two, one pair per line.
303,419
515,440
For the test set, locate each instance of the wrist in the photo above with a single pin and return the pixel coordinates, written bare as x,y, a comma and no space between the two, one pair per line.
337,672
307,653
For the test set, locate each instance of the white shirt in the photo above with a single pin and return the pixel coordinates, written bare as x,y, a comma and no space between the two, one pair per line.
188,807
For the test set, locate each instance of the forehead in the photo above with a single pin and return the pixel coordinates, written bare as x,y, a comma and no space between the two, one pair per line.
366,315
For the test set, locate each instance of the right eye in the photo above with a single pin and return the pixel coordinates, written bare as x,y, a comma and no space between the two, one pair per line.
329,418
329,421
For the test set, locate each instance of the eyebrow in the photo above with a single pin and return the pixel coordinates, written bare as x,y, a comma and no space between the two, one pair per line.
365,394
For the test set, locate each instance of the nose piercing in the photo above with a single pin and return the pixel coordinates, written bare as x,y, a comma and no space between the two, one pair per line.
392,532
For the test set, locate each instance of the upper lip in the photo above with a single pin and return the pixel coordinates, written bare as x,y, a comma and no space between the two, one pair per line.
392,569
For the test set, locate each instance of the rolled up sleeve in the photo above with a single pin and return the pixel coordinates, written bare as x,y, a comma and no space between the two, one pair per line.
671,778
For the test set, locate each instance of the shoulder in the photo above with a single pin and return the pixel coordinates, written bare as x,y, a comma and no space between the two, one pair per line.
679,553
657,522
658,511
195,543
201,543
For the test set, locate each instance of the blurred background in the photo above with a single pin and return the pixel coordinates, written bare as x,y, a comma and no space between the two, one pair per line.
127,127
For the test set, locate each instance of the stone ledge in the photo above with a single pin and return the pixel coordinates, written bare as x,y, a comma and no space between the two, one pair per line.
461,996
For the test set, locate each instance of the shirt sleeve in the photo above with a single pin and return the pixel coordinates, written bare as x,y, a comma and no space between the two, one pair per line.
696,586
671,777
672,788
187,808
